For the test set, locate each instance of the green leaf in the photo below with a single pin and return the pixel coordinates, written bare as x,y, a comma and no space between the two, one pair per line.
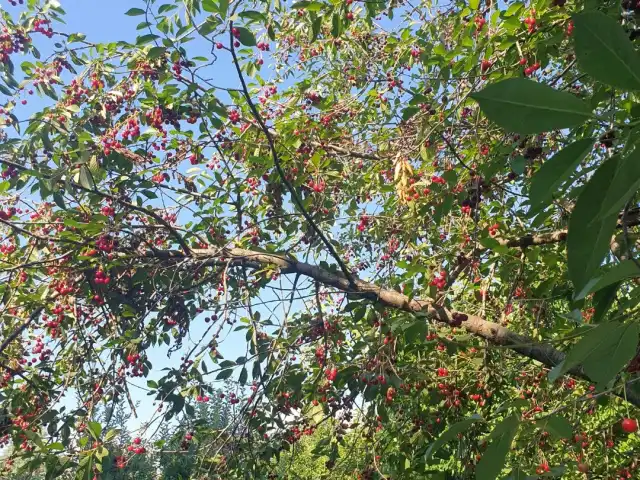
557,425
613,355
95,429
178,403
209,6
166,8
148,38
336,25
604,51
59,200
492,461
156,52
602,301
243,376
101,452
246,37
555,171
623,185
622,271
305,5
316,24
223,8
134,12
111,434
451,433
474,4
524,106
85,178
587,239
409,112
603,351
224,374
519,164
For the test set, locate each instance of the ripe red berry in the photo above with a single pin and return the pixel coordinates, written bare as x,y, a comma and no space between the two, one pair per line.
629,425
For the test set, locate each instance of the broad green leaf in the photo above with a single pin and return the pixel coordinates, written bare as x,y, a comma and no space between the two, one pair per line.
209,6
623,185
519,165
474,4
588,239
246,37
603,351
306,5
224,374
133,12
604,51
524,106
451,433
602,301
101,452
111,434
555,171
602,365
166,8
243,376
223,8
85,178
557,425
621,271
178,404
253,15
409,112
316,24
156,52
492,461
336,25
148,38
95,429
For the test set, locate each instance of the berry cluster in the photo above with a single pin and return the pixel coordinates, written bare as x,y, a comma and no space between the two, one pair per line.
439,280
101,278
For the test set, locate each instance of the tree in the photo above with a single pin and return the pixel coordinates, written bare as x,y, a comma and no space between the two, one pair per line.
424,214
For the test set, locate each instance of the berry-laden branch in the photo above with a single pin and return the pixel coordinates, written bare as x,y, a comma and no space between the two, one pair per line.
276,160
18,331
493,332
147,211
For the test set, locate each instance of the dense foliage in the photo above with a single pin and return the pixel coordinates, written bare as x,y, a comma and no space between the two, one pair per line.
421,218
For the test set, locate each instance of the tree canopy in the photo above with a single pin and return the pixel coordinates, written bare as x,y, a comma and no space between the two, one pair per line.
416,220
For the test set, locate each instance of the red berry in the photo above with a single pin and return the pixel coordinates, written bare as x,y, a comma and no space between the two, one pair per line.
629,425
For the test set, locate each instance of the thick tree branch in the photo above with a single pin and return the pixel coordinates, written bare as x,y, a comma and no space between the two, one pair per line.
495,333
